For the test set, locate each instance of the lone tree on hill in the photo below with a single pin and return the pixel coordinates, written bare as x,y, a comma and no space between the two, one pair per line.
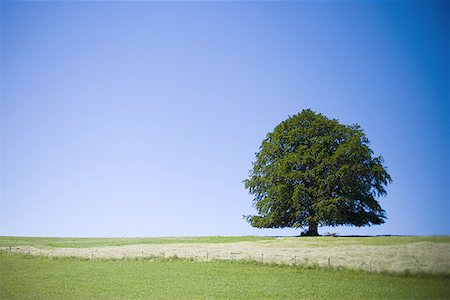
312,171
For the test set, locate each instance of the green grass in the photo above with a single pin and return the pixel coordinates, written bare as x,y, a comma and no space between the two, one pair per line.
26,277
325,241
50,242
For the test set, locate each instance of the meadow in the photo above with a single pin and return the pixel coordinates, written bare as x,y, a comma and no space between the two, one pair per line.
39,277
53,272
324,241
380,253
59,242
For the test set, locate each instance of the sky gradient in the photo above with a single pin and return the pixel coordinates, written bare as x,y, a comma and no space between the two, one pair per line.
143,118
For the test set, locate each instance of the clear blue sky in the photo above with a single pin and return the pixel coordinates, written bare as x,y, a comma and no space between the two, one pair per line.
142,118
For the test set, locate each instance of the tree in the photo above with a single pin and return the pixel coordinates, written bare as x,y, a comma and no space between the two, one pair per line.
312,171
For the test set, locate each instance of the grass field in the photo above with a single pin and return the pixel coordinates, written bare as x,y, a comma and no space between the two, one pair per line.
384,253
245,267
38,277
52,242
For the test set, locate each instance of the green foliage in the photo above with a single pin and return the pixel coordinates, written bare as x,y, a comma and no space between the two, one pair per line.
314,171
25,277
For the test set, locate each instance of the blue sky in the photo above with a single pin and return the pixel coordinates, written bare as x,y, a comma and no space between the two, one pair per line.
142,118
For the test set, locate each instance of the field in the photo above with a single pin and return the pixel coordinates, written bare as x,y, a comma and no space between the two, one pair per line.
225,267
384,253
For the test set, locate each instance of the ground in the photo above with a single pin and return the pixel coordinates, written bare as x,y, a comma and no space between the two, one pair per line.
392,254
225,268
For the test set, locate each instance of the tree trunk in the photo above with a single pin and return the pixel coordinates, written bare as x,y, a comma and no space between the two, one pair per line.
312,230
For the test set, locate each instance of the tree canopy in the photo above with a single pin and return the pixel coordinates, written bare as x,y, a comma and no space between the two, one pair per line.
313,171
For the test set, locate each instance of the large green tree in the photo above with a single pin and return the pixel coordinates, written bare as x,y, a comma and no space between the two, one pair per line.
313,171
